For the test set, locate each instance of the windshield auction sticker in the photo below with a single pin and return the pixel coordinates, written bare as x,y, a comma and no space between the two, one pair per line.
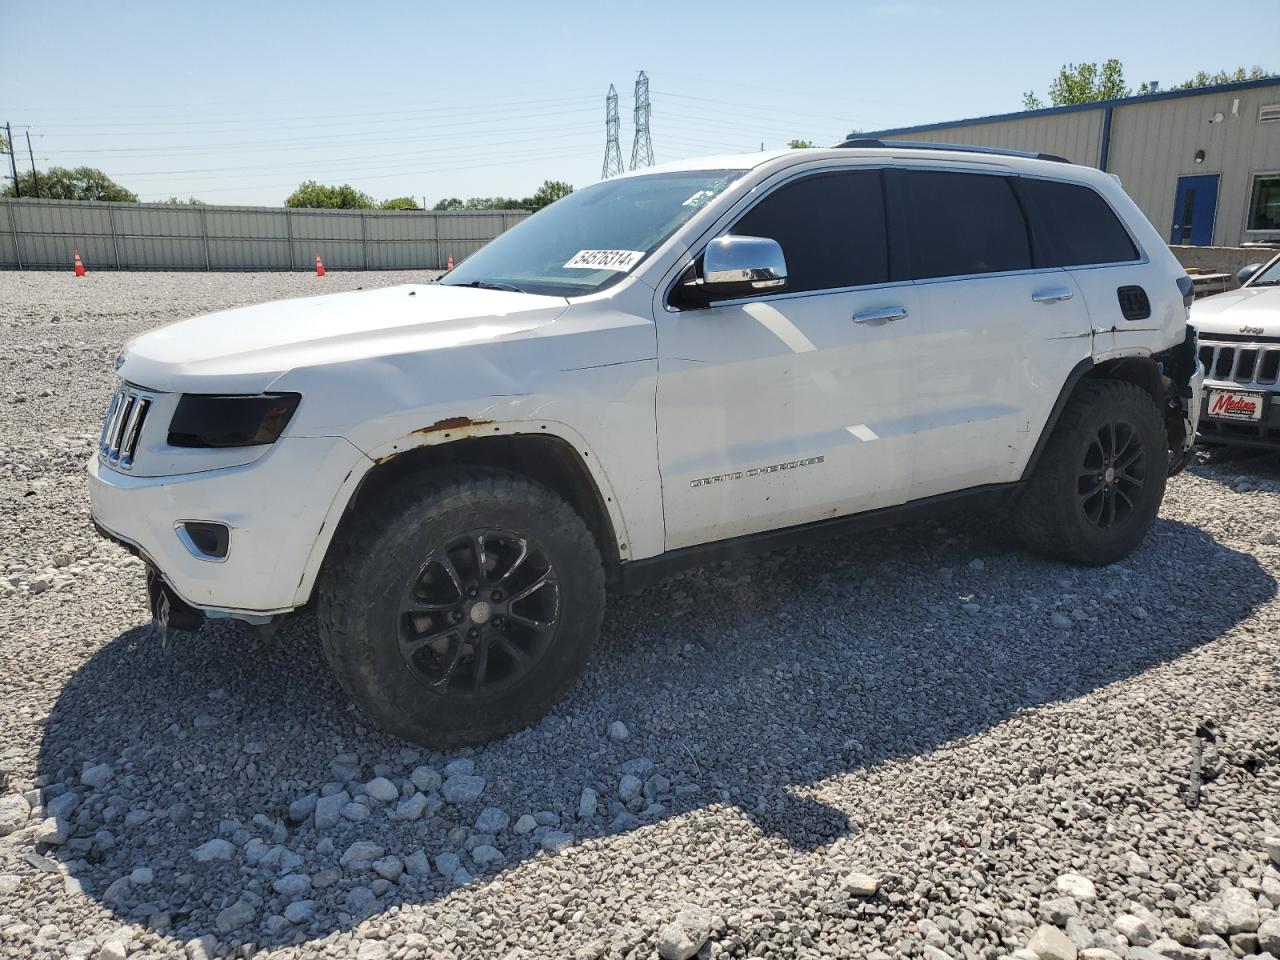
617,260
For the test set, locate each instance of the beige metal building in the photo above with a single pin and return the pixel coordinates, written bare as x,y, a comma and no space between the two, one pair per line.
1203,164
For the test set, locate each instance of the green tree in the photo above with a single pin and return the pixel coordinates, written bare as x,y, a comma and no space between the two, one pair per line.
449,203
1203,79
190,201
77,183
494,203
1082,83
399,203
322,196
548,193
801,144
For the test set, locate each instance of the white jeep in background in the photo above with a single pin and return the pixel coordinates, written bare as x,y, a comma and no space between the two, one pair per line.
1240,350
662,369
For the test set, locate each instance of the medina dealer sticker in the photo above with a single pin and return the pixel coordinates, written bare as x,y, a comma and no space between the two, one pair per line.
620,261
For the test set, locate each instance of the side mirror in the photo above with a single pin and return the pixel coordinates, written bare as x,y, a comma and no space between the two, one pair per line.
737,267
1245,273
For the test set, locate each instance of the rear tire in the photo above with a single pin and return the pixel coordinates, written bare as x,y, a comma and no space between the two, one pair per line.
1098,486
462,606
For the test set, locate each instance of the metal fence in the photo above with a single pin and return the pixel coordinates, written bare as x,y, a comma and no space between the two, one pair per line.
44,234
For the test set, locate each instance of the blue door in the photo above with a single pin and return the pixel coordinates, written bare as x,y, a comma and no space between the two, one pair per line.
1194,207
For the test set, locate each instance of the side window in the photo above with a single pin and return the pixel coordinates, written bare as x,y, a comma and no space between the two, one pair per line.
1071,225
1264,203
956,224
831,229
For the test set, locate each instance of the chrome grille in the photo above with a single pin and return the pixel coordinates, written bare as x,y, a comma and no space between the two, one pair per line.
1244,362
123,426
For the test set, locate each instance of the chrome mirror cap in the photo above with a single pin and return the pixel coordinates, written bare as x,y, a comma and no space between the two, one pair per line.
751,263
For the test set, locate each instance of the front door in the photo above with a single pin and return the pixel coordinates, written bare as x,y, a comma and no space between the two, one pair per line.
1195,206
794,407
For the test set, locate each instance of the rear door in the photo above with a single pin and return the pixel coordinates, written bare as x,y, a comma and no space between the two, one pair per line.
997,334
1075,229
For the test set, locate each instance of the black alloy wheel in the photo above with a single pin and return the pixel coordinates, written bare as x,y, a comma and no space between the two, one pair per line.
1112,475
480,613
1096,490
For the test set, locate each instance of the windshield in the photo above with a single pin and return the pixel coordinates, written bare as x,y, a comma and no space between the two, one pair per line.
1269,277
594,236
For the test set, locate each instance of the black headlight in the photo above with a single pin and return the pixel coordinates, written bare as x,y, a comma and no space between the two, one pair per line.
209,420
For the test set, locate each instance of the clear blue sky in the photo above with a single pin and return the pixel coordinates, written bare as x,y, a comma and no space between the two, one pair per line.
237,102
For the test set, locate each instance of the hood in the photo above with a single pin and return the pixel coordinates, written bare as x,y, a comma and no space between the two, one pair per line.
1257,308
245,349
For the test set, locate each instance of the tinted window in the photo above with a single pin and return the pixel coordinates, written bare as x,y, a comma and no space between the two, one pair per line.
1072,225
830,227
954,224
1264,203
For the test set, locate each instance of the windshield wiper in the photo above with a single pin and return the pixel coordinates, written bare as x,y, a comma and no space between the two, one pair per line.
489,285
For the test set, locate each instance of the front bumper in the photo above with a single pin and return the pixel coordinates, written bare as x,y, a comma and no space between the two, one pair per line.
1265,433
276,508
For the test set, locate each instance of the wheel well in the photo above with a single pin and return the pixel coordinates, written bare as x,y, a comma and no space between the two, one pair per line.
550,461
1145,373
1140,371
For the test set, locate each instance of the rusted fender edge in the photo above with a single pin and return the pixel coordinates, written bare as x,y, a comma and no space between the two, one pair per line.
453,429
449,428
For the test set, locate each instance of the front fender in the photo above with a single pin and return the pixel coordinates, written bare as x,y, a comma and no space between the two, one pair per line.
452,429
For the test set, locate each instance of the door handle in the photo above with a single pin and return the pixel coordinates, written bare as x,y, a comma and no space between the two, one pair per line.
1052,295
882,314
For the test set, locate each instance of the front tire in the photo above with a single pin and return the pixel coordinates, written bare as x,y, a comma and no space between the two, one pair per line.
1098,486
462,606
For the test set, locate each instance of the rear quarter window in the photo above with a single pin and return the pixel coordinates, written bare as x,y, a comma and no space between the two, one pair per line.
1071,225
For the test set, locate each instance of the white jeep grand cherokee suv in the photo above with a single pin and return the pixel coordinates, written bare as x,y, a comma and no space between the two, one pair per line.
1240,350
661,369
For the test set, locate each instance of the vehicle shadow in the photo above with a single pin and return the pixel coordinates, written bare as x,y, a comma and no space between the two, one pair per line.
1227,465
743,685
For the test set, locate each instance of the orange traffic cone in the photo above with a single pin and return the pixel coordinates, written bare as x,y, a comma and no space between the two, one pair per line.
79,265
449,265
319,266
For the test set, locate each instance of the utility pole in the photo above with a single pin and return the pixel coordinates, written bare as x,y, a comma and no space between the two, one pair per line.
31,153
642,146
13,167
612,151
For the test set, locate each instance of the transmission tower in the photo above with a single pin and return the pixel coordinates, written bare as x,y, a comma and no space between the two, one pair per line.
642,146
612,151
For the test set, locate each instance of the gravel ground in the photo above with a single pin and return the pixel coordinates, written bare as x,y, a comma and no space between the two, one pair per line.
917,743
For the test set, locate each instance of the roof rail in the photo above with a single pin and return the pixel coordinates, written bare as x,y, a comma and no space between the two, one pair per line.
871,142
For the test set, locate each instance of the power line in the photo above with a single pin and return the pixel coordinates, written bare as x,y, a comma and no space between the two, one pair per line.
13,167
321,120
380,96
612,151
748,128
454,151
337,168
328,138
702,81
755,107
468,166
309,155
35,177
642,145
